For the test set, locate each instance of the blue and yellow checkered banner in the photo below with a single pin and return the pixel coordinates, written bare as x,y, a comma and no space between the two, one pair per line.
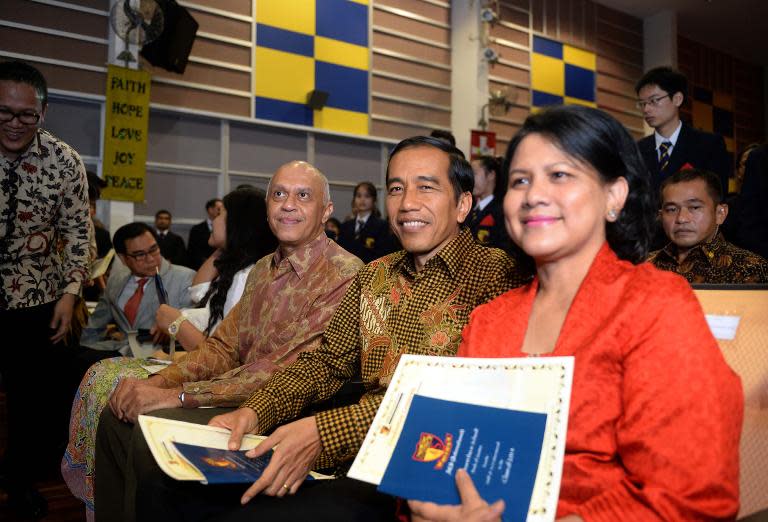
561,73
306,45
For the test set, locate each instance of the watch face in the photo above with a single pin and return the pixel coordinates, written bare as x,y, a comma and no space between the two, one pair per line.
173,329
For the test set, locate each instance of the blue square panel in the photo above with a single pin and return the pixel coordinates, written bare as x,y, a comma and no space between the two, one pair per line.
579,83
543,99
342,20
347,88
287,41
287,112
547,47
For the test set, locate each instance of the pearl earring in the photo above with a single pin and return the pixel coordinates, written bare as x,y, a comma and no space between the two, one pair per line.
612,215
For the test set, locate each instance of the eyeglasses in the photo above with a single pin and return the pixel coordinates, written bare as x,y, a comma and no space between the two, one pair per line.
653,102
25,117
141,256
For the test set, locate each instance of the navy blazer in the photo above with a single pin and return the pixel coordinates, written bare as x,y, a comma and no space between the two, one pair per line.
371,242
702,150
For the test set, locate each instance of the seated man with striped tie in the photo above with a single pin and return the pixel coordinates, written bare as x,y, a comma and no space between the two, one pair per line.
130,300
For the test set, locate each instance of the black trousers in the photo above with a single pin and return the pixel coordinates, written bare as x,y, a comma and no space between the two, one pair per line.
130,486
40,380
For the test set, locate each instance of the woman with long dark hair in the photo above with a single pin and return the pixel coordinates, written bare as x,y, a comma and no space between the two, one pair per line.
241,236
655,413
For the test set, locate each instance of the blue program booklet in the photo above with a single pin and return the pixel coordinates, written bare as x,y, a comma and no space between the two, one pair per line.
499,448
224,466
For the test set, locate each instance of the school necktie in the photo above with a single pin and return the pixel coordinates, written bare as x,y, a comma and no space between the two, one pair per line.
359,224
664,154
132,306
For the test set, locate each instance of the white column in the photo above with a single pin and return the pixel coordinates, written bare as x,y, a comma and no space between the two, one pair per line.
660,40
469,71
659,44
119,212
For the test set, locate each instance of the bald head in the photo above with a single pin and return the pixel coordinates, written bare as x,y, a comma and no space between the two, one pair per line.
309,170
298,204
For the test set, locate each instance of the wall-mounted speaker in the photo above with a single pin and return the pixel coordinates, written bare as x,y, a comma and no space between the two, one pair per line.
316,100
171,50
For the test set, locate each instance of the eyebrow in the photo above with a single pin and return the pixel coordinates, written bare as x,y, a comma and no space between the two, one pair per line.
287,189
547,166
431,179
691,200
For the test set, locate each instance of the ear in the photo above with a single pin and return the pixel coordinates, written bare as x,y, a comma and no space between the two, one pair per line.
678,99
616,193
327,212
42,115
464,206
721,212
123,259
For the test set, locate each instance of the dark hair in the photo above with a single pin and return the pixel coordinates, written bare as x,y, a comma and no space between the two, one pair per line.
371,188
668,80
95,184
597,139
22,72
459,170
494,164
249,238
163,211
444,135
130,231
712,180
211,203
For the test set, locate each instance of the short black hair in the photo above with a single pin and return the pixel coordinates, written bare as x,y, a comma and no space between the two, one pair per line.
130,231
22,72
599,140
444,135
163,211
668,79
712,180
211,203
495,164
459,170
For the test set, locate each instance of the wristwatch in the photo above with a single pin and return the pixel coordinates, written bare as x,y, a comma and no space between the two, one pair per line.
174,327
181,398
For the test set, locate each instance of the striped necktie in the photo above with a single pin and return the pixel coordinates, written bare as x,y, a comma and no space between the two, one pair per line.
664,154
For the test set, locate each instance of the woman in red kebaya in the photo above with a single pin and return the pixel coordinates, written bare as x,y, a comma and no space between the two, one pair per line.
656,413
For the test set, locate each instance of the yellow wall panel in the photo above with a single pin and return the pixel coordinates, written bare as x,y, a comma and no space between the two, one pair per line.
547,74
291,15
341,53
284,76
341,121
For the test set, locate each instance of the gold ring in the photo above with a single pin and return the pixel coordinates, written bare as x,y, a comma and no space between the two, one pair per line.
286,487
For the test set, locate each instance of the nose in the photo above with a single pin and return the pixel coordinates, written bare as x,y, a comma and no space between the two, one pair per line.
409,200
536,193
289,203
683,216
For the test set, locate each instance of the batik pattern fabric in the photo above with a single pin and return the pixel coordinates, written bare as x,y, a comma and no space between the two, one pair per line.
287,303
715,262
44,224
389,310
97,385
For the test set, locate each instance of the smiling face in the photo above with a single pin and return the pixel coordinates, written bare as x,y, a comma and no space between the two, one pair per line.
689,215
556,206
421,202
16,136
295,205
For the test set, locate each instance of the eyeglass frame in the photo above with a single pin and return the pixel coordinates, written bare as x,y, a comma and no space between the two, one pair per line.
19,115
141,256
653,101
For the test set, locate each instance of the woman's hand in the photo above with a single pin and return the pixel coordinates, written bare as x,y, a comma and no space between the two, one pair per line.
472,508
165,316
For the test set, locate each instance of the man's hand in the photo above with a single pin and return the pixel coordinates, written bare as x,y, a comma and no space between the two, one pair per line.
133,397
297,445
62,316
472,508
239,422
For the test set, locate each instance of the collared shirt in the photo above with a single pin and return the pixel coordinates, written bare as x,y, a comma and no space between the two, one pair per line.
483,203
659,139
209,222
129,289
44,224
390,309
714,262
285,307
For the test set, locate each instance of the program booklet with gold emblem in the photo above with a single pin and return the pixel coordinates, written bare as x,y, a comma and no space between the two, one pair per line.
503,420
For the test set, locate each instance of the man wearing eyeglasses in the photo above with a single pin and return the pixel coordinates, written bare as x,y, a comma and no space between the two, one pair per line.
131,298
674,144
44,232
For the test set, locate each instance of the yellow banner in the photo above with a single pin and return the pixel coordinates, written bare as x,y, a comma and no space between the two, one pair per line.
125,134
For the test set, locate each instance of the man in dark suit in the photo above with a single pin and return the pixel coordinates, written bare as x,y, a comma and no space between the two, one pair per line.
171,245
198,249
674,144
486,221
